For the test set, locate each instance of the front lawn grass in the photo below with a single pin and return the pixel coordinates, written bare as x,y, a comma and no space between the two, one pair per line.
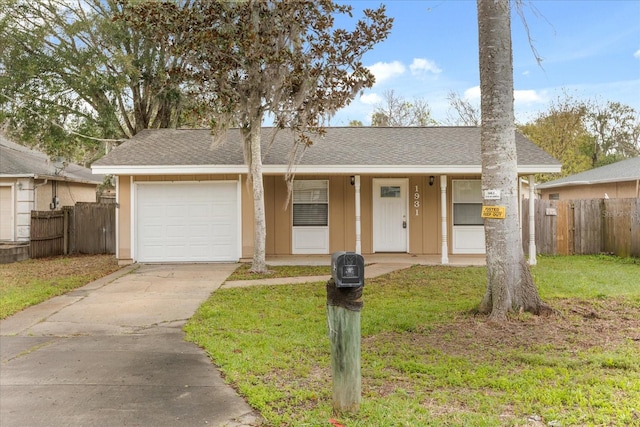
276,271
30,282
428,360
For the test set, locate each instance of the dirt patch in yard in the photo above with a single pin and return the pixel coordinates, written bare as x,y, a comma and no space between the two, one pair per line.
24,272
579,326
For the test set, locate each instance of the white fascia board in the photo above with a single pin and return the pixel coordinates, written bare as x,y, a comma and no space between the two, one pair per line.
17,175
168,170
585,182
310,169
52,178
376,169
531,169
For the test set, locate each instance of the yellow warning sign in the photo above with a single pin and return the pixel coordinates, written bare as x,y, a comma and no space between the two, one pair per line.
497,212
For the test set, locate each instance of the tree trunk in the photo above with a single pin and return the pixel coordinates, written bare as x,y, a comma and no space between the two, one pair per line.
255,171
510,285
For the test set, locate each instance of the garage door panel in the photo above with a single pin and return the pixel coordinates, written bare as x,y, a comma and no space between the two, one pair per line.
187,222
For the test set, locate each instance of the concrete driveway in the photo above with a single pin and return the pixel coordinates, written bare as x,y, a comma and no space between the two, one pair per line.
112,354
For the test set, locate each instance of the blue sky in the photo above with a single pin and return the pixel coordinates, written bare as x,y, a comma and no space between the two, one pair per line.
590,49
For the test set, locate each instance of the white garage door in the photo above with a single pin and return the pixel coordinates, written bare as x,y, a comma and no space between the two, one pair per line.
187,222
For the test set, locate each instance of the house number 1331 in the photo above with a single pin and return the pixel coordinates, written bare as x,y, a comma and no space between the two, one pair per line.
416,200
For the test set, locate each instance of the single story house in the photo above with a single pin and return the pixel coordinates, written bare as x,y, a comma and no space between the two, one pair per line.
29,180
618,180
415,190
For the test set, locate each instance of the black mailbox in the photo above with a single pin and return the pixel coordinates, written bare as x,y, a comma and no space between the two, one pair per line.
347,269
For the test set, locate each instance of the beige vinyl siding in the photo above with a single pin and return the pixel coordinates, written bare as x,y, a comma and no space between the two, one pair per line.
615,190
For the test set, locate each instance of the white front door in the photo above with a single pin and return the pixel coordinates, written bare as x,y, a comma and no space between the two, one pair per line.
390,222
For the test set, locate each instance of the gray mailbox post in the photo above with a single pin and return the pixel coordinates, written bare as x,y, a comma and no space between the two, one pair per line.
344,302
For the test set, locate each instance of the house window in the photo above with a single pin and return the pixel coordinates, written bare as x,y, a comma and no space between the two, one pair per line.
390,191
311,203
554,196
467,202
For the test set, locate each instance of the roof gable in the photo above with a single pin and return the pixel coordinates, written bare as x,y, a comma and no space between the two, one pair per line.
339,148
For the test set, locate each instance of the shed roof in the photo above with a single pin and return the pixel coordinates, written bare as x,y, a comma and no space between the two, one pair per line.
19,161
625,170
339,150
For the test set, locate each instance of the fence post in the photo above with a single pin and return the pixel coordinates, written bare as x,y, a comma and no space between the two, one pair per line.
65,231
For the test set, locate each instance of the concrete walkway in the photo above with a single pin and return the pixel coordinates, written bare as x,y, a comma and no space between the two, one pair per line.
370,271
375,265
113,354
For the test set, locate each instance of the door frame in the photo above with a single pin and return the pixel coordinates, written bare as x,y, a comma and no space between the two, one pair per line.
376,183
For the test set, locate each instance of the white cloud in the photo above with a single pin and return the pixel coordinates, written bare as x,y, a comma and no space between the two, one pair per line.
637,54
386,70
370,98
422,65
472,94
525,73
528,96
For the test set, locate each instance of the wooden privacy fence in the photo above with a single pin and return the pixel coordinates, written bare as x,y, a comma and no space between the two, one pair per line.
47,234
583,227
86,228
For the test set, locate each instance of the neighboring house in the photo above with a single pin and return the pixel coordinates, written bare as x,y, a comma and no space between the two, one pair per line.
615,181
30,181
369,189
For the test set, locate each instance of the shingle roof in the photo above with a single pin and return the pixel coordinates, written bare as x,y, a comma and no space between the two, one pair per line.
625,170
17,160
339,146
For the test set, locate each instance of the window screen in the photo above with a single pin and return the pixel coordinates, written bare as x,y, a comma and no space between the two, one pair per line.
467,214
311,203
467,202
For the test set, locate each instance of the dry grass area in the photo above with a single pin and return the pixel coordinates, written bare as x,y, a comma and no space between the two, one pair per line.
21,273
579,326
30,282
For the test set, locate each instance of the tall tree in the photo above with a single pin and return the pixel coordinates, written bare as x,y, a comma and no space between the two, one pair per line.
510,285
615,128
68,65
561,131
257,59
466,114
395,111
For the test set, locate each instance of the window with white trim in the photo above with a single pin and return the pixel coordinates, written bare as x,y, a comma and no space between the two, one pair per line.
311,203
467,202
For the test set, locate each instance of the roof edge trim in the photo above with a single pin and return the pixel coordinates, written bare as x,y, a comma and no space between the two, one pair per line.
329,169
